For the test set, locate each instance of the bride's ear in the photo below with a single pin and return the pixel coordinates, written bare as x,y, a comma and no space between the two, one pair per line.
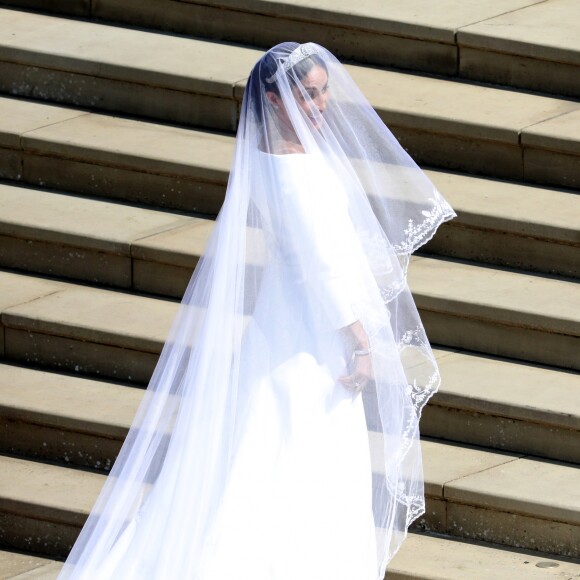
274,99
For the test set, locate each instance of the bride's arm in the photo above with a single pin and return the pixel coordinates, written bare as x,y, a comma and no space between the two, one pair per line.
361,371
322,238
314,234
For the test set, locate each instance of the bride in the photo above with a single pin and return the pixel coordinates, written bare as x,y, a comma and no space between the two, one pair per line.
278,437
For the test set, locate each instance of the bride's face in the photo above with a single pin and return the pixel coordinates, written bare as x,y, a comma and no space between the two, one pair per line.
315,85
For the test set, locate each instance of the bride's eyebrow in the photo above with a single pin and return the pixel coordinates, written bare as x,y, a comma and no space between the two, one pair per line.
313,88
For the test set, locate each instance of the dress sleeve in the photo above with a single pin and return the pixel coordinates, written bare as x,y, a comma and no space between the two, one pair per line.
318,231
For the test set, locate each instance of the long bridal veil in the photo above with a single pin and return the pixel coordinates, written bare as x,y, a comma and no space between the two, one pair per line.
310,239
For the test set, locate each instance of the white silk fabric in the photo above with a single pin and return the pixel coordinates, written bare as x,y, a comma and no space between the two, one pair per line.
248,457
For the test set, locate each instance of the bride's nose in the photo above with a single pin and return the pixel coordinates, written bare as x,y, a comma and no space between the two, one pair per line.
320,102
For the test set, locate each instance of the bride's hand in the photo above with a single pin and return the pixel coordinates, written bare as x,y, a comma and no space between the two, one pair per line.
361,374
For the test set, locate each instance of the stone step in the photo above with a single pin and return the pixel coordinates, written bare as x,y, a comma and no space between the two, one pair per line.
20,290
537,47
443,123
87,330
16,565
498,312
93,240
471,493
522,43
505,405
64,418
137,161
155,251
43,506
446,558
130,71
443,558
509,224
462,305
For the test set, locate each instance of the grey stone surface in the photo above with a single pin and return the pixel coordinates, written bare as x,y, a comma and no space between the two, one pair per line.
465,154
536,47
19,289
518,71
161,279
500,432
52,539
265,29
525,486
436,558
19,117
67,497
78,356
31,438
499,312
48,572
118,96
73,262
486,336
528,253
10,164
516,299
71,7
551,168
558,133
512,389
438,126
76,221
15,564
511,208
545,30
132,185
444,463
156,75
408,35
416,18
68,402
178,247
73,420
136,56
506,405
500,527
552,150
99,316
135,145
452,107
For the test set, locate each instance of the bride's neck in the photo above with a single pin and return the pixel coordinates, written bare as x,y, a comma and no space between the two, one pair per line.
287,132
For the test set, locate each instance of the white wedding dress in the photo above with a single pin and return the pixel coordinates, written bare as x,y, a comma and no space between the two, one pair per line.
299,500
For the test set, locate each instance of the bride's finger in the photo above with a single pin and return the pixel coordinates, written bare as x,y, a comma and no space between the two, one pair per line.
354,382
346,379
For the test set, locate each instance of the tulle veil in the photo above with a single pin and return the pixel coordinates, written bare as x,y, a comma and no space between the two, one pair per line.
160,501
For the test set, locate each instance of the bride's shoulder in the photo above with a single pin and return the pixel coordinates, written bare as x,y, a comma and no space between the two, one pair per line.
286,148
291,148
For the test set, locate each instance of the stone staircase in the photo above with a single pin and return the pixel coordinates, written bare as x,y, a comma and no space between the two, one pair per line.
115,145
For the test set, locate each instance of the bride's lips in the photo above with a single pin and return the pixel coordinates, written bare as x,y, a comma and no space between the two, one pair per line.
316,118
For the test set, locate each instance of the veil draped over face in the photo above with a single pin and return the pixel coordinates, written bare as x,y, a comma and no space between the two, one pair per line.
322,212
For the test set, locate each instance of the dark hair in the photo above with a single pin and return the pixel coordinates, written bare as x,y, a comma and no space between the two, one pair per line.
299,70
266,68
